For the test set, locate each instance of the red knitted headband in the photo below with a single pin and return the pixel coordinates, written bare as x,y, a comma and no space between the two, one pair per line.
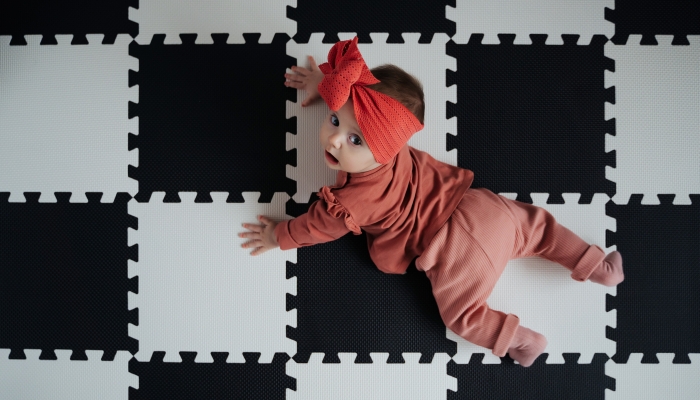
385,123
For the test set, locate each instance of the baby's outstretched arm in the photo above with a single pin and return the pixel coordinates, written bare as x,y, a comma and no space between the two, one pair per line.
306,79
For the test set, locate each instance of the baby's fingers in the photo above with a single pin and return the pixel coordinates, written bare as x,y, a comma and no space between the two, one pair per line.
301,71
252,243
259,250
253,227
295,84
314,67
264,219
293,78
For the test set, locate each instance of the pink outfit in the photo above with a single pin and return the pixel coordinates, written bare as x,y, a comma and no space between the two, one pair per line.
418,206
469,253
400,205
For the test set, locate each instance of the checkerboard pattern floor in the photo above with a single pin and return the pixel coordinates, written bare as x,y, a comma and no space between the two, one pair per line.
137,136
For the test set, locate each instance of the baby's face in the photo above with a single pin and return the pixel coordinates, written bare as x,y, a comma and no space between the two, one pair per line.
341,137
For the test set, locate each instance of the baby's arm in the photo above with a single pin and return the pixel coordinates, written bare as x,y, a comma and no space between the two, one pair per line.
317,225
306,79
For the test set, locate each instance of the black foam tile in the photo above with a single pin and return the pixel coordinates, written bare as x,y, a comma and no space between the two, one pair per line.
657,304
217,380
65,17
64,275
212,117
345,304
331,17
530,118
539,381
648,18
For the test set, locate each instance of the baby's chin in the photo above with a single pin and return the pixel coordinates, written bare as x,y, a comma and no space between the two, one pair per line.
339,168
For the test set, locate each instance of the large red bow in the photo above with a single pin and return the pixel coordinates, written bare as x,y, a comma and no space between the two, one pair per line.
386,124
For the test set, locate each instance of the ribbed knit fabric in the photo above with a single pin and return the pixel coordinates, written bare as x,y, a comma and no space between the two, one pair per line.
386,124
468,254
400,206
527,345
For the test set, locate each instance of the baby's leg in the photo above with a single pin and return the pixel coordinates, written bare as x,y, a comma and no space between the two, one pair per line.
609,273
461,284
540,234
461,294
463,263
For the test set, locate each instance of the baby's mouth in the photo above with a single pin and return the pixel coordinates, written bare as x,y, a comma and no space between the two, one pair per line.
330,158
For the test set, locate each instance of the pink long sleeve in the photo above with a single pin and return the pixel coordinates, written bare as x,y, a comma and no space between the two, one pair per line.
399,206
313,227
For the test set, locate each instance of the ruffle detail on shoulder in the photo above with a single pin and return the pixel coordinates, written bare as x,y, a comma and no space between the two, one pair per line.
337,210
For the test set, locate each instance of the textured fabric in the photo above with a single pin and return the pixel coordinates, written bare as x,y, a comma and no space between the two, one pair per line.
400,205
385,123
468,254
610,273
526,346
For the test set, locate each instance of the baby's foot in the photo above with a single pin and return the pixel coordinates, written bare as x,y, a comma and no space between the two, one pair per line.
526,346
609,273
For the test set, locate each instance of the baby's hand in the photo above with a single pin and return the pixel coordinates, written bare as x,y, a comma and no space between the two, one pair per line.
263,236
306,79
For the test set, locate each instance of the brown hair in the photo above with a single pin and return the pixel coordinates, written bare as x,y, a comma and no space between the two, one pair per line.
401,86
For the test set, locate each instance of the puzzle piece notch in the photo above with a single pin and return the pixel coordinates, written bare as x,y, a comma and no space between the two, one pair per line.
638,40
543,199
78,375
66,197
93,39
174,17
598,200
489,18
364,375
205,357
132,124
535,39
214,357
658,199
468,356
221,367
640,380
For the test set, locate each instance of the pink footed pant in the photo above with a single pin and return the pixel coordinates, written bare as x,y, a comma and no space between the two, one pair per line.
468,254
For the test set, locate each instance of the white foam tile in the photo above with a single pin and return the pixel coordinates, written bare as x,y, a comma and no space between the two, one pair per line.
65,379
64,118
427,62
657,119
199,290
570,314
204,17
379,380
551,17
664,380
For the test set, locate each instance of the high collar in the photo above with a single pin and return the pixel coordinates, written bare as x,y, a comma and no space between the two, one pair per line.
367,175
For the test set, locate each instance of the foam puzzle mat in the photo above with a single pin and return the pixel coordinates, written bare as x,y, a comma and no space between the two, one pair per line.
136,136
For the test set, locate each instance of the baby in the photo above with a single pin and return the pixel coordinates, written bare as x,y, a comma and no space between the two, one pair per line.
413,207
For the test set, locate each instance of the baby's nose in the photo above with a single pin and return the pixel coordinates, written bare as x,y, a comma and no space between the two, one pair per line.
335,139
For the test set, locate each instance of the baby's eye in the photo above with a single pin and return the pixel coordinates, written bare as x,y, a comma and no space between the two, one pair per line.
356,142
334,120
